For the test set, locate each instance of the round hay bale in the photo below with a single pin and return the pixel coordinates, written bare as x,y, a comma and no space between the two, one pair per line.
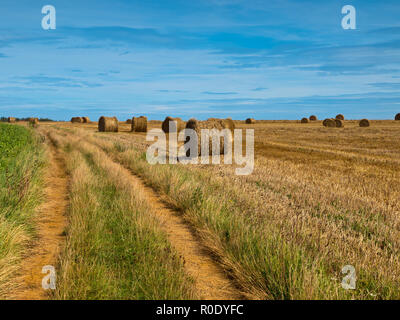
313,118
250,121
339,123
180,124
139,124
11,120
129,121
108,124
197,126
34,122
330,123
340,117
77,120
231,124
364,123
305,120
397,117
85,119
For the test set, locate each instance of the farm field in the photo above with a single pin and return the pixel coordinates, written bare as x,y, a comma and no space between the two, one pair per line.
318,199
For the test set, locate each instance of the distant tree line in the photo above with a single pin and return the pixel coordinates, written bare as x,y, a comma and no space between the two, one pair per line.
5,119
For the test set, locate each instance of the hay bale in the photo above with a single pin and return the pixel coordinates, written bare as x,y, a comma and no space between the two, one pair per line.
250,121
339,123
197,126
77,120
128,121
305,120
34,122
85,119
11,120
364,123
313,118
108,124
139,124
330,123
340,117
231,124
397,117
180,124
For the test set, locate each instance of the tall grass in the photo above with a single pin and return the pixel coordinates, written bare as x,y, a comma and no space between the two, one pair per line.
21,163
115,248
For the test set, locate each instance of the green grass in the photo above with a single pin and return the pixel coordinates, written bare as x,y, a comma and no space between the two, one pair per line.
21,164
115,248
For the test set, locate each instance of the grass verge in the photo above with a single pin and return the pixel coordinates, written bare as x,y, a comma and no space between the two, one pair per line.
21,163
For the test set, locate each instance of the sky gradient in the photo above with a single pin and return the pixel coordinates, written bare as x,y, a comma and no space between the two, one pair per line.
275,59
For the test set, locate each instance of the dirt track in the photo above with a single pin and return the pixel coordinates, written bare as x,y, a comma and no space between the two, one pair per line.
211,282
50,228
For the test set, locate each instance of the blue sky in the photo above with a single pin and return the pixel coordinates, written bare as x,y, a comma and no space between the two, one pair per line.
275,59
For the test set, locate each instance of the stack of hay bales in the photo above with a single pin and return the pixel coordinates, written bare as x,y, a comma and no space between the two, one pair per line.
340,117
313,118
180,124
397,117
364,123
305,120
339,123
108,124
11,120
221,124
139,124
85,119
250,121
330,123
128,121
77,120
